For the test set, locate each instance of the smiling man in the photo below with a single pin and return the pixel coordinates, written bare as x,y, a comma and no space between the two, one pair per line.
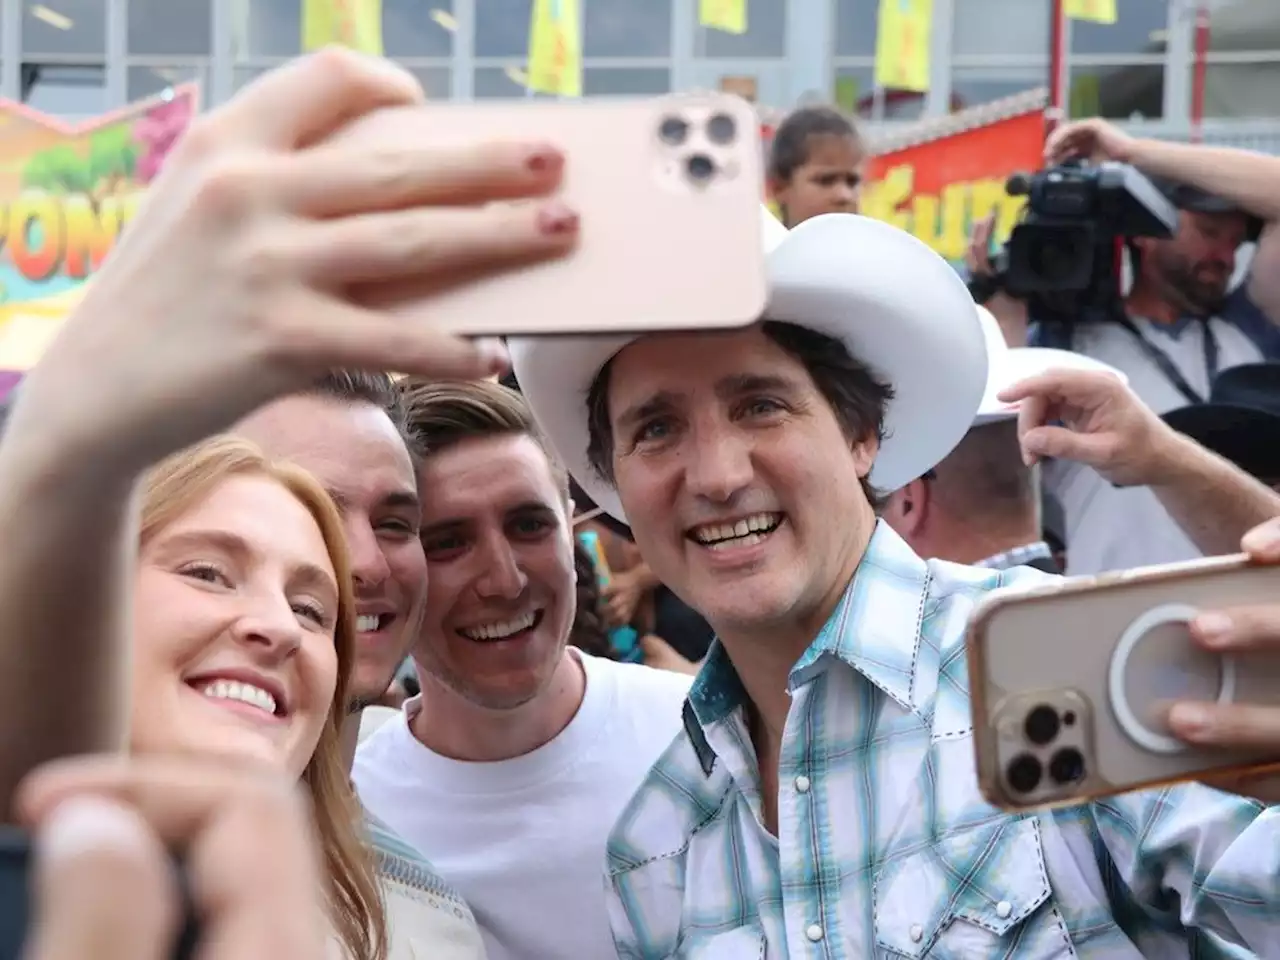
821,799
349,432
511,767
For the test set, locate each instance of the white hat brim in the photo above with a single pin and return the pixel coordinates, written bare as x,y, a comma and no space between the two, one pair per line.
1021,363
896,305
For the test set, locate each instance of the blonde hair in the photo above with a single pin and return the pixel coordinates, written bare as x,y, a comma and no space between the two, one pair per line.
174,487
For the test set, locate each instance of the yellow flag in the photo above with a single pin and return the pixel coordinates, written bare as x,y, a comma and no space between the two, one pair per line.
352,23
729,16
902,45
555,48
1096,11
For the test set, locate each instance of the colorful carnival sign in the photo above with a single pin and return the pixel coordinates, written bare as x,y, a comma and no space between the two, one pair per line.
937,180
66,193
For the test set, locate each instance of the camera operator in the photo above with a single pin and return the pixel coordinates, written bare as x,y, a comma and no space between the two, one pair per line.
1179,327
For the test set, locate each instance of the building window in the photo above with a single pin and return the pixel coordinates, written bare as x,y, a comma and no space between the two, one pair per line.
976,86
855,93
1120,92
144,81
766,34
64,90
856,22
596,81
610,28
1140,30
418,28
64,28
170,28
1242,72
1016,31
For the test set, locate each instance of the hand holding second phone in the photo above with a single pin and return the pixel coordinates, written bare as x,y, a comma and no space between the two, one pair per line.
227,290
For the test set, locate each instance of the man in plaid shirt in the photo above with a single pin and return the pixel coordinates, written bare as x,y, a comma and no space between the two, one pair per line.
822,799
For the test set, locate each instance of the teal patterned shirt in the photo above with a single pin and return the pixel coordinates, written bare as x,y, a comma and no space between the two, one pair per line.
885,847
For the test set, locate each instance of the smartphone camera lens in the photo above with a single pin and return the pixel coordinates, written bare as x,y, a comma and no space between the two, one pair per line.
701,167
1066,766
673,131
1042,725
1024,773
721,129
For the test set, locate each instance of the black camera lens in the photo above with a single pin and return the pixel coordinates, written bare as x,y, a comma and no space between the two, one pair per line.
1042,725
701,167
674,131
721,129
1066,766
1024,773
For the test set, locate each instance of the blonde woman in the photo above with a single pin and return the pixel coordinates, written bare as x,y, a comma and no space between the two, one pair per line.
243,644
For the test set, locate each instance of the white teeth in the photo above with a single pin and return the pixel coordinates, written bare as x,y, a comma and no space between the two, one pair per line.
243,692
367,624
744,532
500,631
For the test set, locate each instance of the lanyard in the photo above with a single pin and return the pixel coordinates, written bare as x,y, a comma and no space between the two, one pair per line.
1169,368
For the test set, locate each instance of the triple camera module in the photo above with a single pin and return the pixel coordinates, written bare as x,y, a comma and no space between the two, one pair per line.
720,129
1065,765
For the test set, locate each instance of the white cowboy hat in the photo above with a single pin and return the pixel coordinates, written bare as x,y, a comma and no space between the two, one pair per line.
896,305
1006,366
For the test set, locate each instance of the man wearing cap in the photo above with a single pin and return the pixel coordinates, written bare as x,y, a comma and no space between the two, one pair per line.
1183,324
821,800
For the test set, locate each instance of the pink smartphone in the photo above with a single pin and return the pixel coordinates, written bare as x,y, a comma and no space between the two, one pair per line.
669,190
1070,683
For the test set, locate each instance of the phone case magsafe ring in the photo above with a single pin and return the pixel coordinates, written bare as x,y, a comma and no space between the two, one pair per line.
1144,640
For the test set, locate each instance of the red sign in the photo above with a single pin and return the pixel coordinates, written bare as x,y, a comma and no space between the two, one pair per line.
936,187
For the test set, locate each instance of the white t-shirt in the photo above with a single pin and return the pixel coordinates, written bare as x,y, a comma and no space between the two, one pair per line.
523,840
1110,528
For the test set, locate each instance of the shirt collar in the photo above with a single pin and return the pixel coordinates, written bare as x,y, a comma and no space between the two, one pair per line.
875,629
1018,556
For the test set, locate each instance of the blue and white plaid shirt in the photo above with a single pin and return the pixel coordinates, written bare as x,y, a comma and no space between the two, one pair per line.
885,847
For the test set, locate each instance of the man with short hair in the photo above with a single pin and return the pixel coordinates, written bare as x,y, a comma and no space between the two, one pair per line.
511,767
821,799
349,431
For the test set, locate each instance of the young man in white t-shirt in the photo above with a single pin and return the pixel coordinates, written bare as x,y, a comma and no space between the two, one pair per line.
511,767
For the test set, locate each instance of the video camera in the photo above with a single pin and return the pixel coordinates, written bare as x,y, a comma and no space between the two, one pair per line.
1062,259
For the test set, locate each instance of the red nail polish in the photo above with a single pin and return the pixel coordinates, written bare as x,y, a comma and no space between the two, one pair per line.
544,161
556,220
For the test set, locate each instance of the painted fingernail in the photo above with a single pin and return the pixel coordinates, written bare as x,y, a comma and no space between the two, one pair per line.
1190,720
556,220
1213,629
493,353
544,160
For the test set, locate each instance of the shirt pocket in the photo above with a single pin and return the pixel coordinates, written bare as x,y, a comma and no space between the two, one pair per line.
980,892
741,943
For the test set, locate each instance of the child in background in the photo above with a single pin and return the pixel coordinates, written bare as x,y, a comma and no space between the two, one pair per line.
815,165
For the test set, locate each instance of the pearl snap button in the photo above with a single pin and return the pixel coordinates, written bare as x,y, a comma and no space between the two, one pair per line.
814,932
802,784
917,933
1003,909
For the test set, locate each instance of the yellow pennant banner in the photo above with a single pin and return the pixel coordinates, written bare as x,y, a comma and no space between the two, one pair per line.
902,45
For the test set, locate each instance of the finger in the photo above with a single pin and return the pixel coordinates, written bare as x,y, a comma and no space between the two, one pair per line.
1059,443
103,886
308,98
1236,725
433,249
1032,414
341,178
247,838
1239,628
1262,543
